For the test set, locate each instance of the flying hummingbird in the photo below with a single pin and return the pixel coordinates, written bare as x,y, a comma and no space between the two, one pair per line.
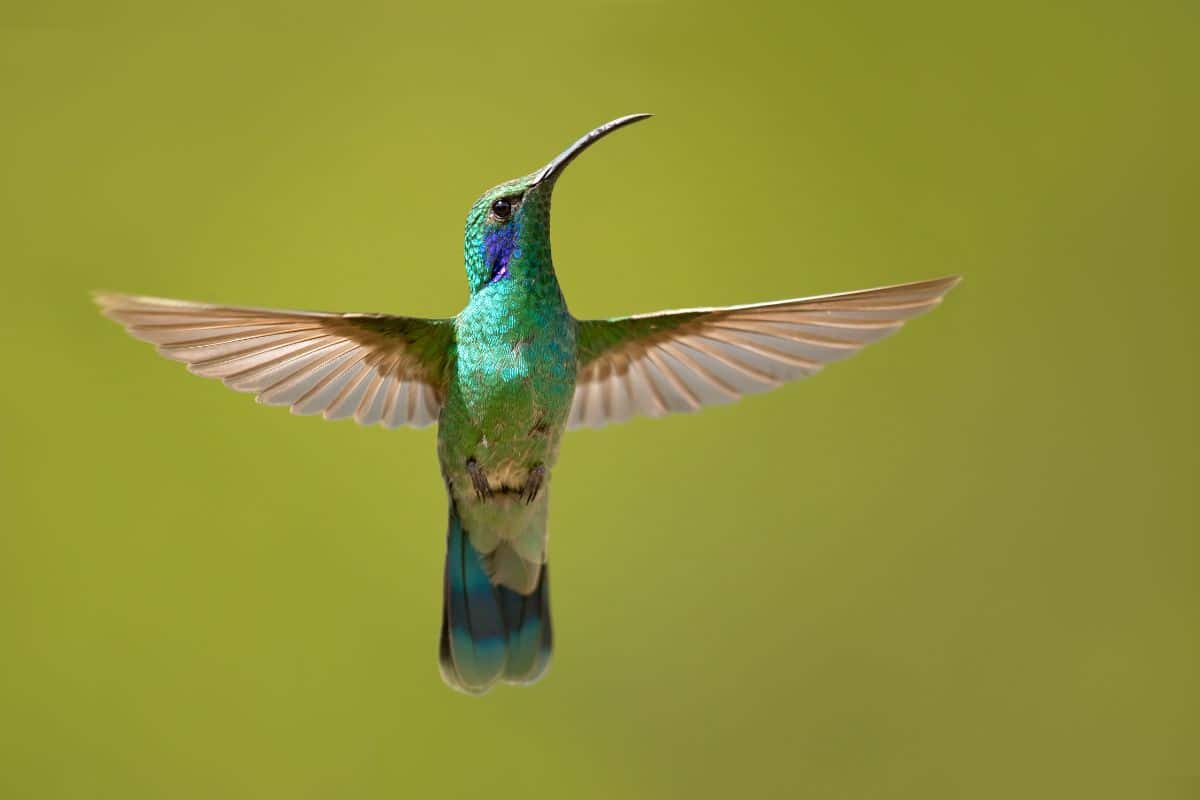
504,380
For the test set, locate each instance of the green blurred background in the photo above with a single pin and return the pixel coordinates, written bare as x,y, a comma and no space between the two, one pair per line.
963,564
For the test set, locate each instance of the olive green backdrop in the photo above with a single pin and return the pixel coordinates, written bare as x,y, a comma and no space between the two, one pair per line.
962,564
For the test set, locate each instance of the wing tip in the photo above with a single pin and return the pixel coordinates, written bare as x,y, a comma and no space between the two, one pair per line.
937,287
943,284
114,303
109,299
108,303
104,297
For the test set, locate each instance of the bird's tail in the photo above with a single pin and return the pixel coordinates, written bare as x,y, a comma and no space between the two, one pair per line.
490,633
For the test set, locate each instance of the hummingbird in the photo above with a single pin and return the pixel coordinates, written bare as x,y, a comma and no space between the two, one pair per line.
504,380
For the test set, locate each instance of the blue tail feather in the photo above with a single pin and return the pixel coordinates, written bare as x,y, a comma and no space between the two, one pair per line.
530,636
489,633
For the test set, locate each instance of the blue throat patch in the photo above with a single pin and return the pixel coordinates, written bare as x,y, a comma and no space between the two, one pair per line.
500,247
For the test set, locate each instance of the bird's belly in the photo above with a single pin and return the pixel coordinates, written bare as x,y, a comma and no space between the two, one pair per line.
508,399
507,412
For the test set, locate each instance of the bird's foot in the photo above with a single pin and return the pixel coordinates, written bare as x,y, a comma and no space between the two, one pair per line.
479,480
533,483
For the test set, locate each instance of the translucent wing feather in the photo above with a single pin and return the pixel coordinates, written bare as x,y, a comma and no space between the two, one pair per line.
655,364
373,367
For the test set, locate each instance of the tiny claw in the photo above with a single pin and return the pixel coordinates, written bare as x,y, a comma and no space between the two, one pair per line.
478,480
533,484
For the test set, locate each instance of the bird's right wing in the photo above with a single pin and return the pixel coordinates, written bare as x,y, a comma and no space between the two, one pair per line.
655,364
376,367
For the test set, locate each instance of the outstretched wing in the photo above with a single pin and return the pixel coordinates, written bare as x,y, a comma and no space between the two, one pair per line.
655,364
375,367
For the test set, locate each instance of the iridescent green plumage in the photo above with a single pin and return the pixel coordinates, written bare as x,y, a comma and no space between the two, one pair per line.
504,380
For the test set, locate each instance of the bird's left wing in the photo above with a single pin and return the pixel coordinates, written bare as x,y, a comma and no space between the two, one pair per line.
655,364
376,367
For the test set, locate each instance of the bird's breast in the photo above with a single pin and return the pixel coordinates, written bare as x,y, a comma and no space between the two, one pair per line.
514,380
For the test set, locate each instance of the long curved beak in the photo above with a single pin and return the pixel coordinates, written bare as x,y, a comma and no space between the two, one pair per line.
552,170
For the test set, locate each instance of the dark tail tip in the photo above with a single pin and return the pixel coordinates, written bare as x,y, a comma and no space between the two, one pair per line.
530,632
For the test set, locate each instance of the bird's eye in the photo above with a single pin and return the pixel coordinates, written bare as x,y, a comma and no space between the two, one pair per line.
502,209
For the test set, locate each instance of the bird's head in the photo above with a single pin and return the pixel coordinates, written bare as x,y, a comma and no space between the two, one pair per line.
508,227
